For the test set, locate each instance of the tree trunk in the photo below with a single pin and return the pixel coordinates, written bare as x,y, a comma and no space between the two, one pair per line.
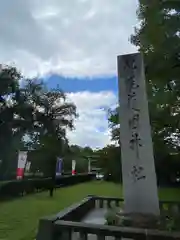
53,179
51,191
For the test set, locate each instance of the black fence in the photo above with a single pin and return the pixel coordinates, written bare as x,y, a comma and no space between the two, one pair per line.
17,188
67,224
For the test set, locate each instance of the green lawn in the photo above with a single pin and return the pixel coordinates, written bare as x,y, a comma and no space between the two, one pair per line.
19,218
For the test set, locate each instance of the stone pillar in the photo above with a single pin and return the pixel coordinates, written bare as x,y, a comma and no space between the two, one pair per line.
138,170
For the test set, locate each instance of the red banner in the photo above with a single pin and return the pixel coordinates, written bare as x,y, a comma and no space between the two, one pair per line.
20,172
73,172
22,157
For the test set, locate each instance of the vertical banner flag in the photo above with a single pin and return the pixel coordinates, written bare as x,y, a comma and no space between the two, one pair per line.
58,166
22,157
73,167
28,165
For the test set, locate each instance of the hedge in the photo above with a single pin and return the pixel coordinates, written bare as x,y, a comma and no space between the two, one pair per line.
21,187
70,180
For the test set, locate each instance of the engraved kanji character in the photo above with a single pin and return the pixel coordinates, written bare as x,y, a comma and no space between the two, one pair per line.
131,84
135,143
130,63
137,173
134,122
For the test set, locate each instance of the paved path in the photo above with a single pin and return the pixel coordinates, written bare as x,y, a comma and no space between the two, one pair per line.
96,216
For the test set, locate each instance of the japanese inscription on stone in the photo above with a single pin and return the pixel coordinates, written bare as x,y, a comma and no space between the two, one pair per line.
135,141
138,170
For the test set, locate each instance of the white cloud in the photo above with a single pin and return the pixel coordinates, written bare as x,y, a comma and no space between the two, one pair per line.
91,126
70,37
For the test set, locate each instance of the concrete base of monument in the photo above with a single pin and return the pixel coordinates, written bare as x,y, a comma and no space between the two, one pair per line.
166,221
137,220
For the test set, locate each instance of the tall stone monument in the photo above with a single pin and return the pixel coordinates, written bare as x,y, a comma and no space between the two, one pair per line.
138,170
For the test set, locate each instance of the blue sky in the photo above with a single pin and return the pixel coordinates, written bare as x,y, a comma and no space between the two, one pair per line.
96,84
73,44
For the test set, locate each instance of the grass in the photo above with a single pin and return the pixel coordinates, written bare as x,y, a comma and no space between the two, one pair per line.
19,218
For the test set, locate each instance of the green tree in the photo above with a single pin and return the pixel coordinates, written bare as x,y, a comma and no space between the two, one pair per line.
34,113
159,40
114,125
53,115
109,159
9,137
79,154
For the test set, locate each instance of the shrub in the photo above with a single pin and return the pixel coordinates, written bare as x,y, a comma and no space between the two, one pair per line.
25,186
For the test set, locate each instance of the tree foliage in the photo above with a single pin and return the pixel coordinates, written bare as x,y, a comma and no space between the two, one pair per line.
32,117
9,84
81,155
110,161
158,38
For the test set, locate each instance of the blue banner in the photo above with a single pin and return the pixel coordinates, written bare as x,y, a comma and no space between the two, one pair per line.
59,166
